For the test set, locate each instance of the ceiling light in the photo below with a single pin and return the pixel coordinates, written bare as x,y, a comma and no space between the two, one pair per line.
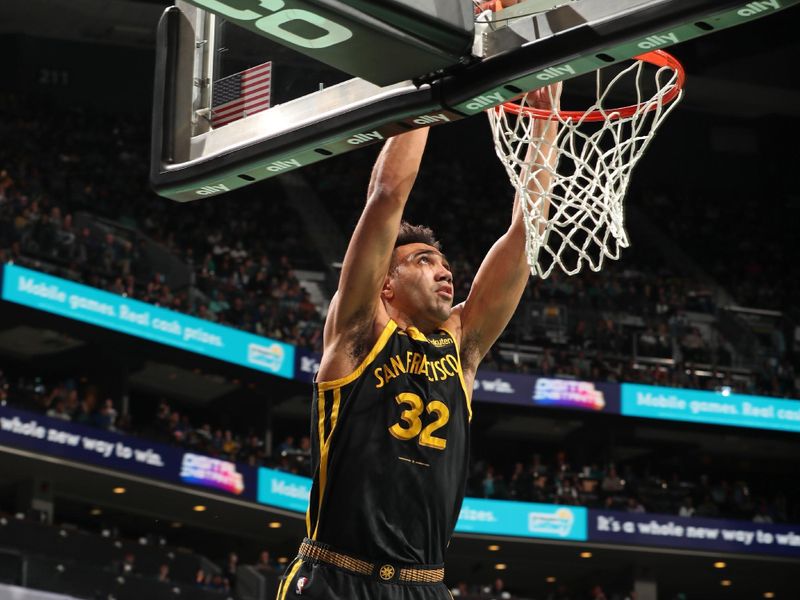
500,567
720,565
275,525
493,548
725,583
198,508
769,594
119,490
95,512
586,555
550,579
176,525
282,560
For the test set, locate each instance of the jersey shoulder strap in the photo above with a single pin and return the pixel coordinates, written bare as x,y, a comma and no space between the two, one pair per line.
379,345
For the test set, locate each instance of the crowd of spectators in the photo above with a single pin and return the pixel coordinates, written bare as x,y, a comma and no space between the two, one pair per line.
636,320
80,402
83,211
497,590
146,555
635,487
629,486
292,454
643,318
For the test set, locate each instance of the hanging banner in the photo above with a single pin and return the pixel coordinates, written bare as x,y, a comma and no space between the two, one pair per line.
139,319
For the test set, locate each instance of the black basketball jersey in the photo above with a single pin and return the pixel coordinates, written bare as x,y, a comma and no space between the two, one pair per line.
390,450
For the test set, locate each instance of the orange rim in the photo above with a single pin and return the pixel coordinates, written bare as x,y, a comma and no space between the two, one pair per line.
658,58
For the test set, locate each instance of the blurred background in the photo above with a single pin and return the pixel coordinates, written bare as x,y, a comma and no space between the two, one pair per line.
635,431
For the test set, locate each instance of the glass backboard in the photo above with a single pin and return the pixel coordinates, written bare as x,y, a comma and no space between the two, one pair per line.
317,84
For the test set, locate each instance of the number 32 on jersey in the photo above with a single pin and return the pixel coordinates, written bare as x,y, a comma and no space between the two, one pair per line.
410,424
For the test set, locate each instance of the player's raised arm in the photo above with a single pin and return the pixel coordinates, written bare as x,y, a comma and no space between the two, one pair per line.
369,252
501,278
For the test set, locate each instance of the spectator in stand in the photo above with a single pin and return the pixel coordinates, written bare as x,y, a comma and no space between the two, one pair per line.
536,467
498,591
174,428
694,346
186,430
127,565
742,500
230,445
59,392
162,421
73,401
229,572
264,564
286,446
219,583
217,442
107,417
561,593
612,483
540,490
762,513
204,436
707,508
59,411
487,485
163,573
597,593
634,506
3,381
252,451
566,491
562,466
201,579
85,411
521,483
687,507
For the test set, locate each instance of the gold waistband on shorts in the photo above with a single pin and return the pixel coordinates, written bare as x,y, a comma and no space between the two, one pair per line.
386,572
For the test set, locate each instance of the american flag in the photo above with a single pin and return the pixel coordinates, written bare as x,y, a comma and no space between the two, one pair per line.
241,95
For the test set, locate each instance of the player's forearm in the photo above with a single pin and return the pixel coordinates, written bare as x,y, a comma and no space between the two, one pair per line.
542,158
397,166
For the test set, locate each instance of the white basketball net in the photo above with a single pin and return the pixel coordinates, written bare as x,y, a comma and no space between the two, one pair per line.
578,217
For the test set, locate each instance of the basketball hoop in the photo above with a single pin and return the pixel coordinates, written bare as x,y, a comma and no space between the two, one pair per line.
578,218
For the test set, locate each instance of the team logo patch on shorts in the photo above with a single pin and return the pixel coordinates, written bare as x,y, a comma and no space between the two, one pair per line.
301,584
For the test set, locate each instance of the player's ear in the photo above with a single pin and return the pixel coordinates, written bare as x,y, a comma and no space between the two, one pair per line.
387,291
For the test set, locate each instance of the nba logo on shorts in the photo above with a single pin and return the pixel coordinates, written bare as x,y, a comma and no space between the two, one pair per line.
301,583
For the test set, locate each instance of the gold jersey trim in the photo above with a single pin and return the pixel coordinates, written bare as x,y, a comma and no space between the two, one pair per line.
391,326
467,393
336,387
323,463
287,582
416,334
324,445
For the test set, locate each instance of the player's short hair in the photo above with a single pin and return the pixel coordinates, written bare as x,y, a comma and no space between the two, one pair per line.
413,234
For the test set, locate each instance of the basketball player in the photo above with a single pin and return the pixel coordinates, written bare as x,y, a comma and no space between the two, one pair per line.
391,409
